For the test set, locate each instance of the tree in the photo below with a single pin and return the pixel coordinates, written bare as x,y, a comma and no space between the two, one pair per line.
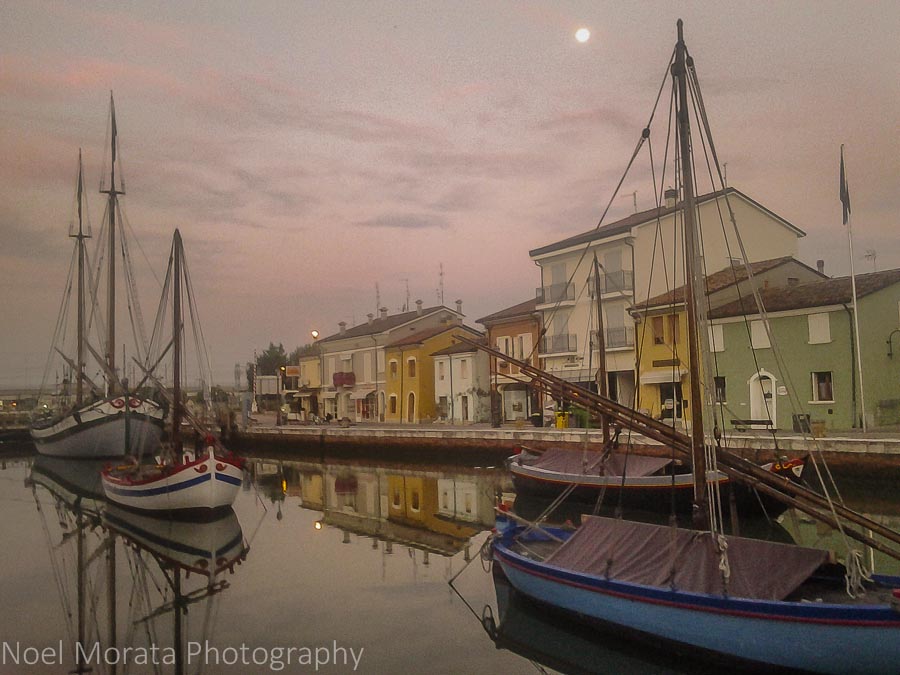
299,352
271,360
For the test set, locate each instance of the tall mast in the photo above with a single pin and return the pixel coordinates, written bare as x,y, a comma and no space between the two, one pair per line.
693,284
80,237
602,381
176,340
112,194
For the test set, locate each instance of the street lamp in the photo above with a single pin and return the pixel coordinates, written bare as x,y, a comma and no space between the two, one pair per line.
321,404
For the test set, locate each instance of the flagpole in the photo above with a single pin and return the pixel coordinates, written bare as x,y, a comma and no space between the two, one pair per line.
845,198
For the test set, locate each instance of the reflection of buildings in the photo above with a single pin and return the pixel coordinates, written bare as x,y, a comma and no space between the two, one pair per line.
434,509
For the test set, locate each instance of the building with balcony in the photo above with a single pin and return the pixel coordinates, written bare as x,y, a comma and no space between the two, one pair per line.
353,359
516,331
635,257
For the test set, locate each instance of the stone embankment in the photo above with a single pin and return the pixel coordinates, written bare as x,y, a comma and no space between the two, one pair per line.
435,441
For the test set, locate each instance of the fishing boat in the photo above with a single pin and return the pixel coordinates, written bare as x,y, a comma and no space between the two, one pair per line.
634,481
751,601
91,422
202,484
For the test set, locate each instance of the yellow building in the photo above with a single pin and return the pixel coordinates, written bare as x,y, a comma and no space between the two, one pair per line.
409,373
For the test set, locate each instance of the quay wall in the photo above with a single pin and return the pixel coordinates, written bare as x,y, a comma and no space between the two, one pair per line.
467,442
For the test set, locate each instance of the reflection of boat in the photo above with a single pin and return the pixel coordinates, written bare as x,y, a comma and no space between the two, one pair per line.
93,425
70,480
634,481
205,549
750,600
203,485
556,641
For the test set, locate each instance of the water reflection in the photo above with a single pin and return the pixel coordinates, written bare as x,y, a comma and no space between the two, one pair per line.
127,582
436,510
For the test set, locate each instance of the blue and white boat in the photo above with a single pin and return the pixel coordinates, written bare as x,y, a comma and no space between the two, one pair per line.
199,485
746,600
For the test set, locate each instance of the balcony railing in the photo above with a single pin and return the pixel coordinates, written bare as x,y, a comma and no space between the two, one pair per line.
559,344
620,336
555,293
621,281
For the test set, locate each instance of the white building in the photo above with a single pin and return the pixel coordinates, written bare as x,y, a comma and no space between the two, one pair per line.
462,384
637,258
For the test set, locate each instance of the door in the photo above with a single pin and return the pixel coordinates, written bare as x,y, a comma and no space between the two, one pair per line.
762,399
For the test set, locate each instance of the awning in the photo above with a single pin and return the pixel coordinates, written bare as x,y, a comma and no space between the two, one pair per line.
663,375
361,393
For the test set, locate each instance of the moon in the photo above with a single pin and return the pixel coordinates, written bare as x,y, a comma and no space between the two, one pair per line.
582,35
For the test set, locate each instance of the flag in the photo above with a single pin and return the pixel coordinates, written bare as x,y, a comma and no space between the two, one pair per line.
845,190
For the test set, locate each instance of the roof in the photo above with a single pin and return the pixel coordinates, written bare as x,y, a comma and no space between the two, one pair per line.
381,325
522,309
816,294
459,348
635,219
421,336
728,276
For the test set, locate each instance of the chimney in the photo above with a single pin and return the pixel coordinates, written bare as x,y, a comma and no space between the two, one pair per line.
343,326
671,196
371,317
459,306
418,308
382,311
793,281
820,265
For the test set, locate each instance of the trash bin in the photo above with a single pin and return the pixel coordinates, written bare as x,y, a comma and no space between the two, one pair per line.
562,420
537,419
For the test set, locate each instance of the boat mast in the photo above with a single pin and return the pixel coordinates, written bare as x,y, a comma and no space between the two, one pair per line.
112,194
176,340
602,377
79,238
693,284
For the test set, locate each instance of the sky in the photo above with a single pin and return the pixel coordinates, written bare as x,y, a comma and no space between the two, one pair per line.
309,151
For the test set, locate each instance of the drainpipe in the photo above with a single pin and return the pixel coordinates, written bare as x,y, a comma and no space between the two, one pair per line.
402,397
852,364
452,408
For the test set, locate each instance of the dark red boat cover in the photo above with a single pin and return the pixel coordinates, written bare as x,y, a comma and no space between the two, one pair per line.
686,560
590,463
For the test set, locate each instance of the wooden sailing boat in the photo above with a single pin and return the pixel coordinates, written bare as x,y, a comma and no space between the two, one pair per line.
93,425
753,601
202,485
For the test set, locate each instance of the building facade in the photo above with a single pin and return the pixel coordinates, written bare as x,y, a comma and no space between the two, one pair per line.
635,257
462,381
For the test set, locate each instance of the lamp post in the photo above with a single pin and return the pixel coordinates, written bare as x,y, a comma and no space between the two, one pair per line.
320,406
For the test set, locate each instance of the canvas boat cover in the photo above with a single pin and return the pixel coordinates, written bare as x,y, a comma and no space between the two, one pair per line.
686,560
590,463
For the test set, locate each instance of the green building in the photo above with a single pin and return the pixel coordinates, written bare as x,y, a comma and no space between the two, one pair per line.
817,381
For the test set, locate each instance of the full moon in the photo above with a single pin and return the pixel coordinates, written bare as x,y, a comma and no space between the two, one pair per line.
582,35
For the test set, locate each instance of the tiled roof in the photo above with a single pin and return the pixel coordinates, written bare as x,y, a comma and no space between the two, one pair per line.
522,309
815,294
459,348
718,280
380,325
635,219
421,336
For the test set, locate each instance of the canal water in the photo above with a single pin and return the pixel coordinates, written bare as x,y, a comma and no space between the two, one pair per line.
323,566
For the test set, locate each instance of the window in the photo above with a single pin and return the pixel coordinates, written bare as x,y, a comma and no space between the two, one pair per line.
673,328
504,344
720,389
822,389
759,338
396,498
441,367
716,339
445,500
659,336
393,368
411,367
468,502
414,502
393,406
464,368
520,341
819,328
